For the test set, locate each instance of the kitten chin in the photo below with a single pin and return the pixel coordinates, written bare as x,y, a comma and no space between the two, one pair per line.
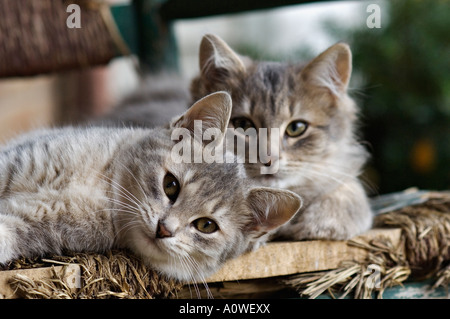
171,257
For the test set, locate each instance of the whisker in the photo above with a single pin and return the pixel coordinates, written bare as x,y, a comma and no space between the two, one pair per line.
337,180
120,193
122,190
121,203
134,177
202,277
116,209
360,178
194,265
125,196
185,264
128,226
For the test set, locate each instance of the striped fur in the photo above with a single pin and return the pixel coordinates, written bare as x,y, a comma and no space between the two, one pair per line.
92,189
323,164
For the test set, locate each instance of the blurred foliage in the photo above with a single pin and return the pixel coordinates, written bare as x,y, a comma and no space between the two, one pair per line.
402,75
404,67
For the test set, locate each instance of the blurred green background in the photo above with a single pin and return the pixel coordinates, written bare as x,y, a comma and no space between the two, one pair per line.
401,81
404,74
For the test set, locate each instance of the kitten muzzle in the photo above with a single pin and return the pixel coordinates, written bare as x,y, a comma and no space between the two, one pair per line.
162,231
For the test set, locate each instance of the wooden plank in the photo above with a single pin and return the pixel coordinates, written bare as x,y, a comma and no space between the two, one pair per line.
72,277
273,260
286,258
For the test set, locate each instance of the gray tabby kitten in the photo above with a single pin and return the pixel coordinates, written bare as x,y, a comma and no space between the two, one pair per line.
320,157
92,189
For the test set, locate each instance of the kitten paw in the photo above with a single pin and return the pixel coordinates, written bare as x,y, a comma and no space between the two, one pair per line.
7,245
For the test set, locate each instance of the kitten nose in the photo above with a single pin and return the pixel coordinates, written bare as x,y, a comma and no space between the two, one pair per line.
162,231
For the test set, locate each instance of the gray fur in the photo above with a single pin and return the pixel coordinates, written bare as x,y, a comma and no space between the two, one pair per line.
323,164
92,189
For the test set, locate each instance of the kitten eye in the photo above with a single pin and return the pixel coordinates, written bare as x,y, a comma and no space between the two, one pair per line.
296,128
242,122
205,225
171,187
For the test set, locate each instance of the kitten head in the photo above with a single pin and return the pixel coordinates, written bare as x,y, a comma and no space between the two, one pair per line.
187,219
308,103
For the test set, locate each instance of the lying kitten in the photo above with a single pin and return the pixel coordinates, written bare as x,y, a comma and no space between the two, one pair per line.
92,189
319,155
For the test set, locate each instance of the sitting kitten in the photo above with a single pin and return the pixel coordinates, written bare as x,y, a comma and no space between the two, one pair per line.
319,155
92,189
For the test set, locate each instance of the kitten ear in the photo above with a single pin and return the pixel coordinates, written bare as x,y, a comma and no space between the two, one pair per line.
217,59
331,69
271,208
214,110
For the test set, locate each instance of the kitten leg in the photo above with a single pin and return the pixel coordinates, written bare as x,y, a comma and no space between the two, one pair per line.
10,242
339,215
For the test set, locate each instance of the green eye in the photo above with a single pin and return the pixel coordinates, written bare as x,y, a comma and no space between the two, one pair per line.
242,122
205,225
171,187
296,128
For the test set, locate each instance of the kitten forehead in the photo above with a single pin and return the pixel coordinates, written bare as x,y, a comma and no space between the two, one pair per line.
269,77
271,73
265,94
213,206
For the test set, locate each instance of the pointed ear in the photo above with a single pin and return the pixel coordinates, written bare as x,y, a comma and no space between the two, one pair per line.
271,208
331,69
213,110
217,59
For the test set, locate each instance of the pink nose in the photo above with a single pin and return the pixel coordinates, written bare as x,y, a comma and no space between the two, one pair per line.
162,231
